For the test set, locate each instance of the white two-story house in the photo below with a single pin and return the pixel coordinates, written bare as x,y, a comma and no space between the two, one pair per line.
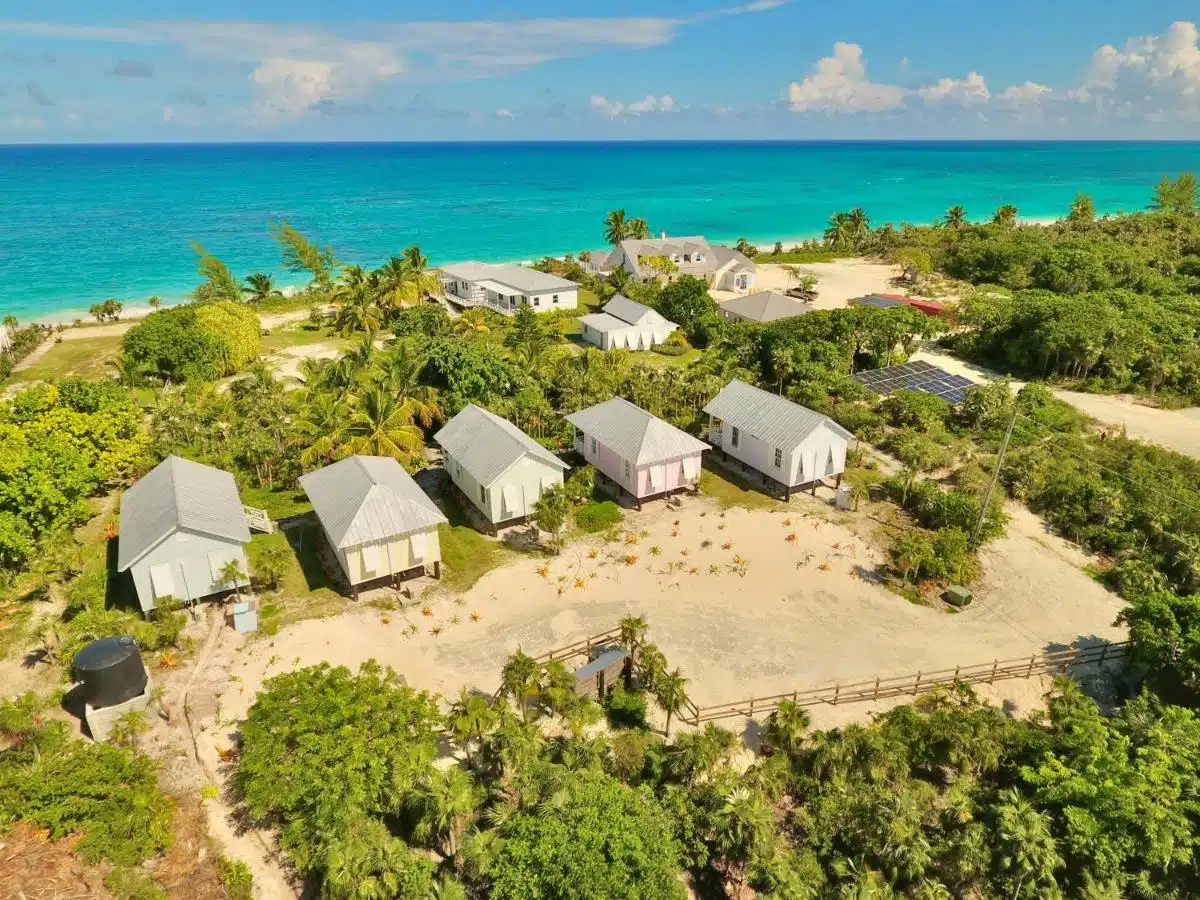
506,288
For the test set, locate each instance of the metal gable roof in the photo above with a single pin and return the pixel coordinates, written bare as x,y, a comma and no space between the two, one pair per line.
772,419
517,278
634,434
179,494
363,499
487,445
766,306
604,322
631,311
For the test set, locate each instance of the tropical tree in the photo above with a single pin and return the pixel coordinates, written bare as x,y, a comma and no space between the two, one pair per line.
380,426
639,229
746,248
272,562
302,255
472,321
550,513
365,862
786,727
956,217
231,575
471,718
521,679
444,803
1176,196
129,372
261,287
1026,848
219,283
670,693
154,302
742,834
405,280
1083,210
1006,216
617,228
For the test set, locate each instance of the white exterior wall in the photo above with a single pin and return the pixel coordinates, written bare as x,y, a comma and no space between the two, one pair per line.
821,454
507,301
393,556
734,278
635,337
528,477
187,558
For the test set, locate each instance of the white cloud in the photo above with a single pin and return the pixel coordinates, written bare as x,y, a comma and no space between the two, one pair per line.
839,84
1156,77
504,114
291,86
649,104
168,114
1024,96
610,108
969,91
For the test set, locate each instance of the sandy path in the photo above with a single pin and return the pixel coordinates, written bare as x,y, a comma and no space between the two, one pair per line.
783,625
1175,429
839,281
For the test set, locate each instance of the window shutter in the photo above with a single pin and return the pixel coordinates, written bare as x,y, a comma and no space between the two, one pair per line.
161,581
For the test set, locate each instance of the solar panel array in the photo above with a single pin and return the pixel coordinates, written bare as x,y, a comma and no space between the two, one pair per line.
916,376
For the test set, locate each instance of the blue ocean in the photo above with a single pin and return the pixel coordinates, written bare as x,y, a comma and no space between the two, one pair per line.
79,224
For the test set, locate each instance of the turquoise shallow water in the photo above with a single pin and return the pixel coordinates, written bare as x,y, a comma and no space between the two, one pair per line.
79,224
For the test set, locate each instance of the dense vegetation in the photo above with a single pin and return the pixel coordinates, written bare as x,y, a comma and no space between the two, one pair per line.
194,342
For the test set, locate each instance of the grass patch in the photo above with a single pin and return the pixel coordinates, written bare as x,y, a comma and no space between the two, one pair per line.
305,591
597,515
299,335
85,357
280,503
732,490
466,554
662,361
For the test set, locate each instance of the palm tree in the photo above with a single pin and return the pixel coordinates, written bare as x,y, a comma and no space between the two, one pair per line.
860,226
154,302
470,718
260,287
521,679
839,235
786,726
405,280
633,635
472,321
129,373
231,573
696,755
367,863
638,229
445,804
742,830
10,322
380,427
1006,215
400,375
448,888
652,665
956,217
671,695
1026,845
616,227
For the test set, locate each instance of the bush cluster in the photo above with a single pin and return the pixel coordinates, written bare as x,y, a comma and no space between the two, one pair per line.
194,341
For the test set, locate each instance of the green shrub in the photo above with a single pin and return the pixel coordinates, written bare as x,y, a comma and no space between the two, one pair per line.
625,709
671,349
133,884
237,878
598,515
194,341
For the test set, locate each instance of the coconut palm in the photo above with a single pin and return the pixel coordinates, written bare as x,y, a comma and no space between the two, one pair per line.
860,225
633,635
638,229
260,287
380,426
786,726
154,302
472,321
652,665
616,227
231,573
670,693
1006,215
445,804
470,718
521,679
956,217
318,426
839,233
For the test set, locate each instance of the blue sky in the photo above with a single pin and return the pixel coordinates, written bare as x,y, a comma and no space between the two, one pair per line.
140,70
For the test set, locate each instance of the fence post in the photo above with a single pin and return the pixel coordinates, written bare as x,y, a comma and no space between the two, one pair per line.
1104,652
876,687
837,689
956,668
917,684
995,665
751,707
1032,658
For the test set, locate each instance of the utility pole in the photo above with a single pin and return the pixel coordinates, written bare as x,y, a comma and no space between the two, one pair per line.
987,497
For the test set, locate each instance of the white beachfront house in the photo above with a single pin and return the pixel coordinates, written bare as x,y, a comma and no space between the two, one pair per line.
380,524
624,323
497,466
505,288
723,268
637,453
181,525
763,306
784,442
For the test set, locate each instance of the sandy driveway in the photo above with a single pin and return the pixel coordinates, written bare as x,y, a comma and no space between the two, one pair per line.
839,281
789,615
1175,429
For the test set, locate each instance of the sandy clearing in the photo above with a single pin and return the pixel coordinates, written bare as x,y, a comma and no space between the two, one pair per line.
839,281
1175,429
783,625
287,361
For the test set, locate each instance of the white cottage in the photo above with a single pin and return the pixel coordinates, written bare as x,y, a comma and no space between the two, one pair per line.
497,466
380,524
180,526
781,440
625,324
506,288
724,268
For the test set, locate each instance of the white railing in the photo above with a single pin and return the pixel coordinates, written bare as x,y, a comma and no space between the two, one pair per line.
257,519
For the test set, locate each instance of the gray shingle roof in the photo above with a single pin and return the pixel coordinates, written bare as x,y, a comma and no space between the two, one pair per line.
519,278
634,434
635,249
726,255
603,322
631,311
772,419
362,499
766,306
179,494
487,446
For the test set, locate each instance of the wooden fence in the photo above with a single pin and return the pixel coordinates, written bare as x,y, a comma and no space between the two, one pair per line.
582,647
1055,663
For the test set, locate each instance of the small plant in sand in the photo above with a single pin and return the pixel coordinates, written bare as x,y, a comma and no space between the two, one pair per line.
714,569
683,551
593,553
727,545
674,532
413,628
791,538
721,527
435,630
274,659
656,550
427,611
705,544
631,560
210,792
580,583
454,620
643,534
562,578
168,660
544,571
475,617
787,522
824,567
296,660
693,571
227,754
631,539
460,601
385,619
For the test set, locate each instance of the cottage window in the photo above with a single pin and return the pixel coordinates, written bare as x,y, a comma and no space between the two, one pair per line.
554,299
537,301
687,257
735,436
482,494
626,468
778,458
593,446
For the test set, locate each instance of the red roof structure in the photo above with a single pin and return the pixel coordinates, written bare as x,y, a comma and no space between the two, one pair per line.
929,307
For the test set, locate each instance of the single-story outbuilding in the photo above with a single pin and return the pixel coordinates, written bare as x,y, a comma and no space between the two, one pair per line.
635,451
380,524
625,324
891,301
763,306
180,526
781,440
501,470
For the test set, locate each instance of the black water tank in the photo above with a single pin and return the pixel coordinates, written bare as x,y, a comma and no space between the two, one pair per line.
111,671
